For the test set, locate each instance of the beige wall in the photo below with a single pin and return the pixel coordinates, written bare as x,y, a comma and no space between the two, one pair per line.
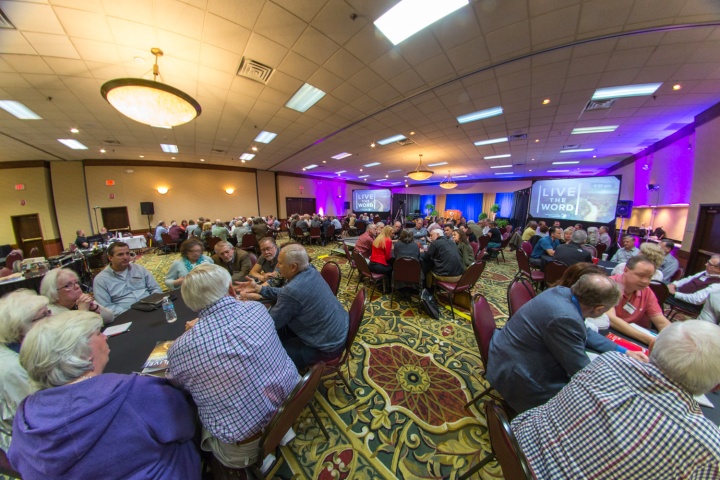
38,199
671,219
68,180
705,185
267,193
479,187
192,192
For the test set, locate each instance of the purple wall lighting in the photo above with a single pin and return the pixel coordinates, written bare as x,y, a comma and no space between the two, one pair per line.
671,168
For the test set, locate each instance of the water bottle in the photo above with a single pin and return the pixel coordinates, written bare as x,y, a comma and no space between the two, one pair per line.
169,310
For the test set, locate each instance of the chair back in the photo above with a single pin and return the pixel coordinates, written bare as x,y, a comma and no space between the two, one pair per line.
483,241
505,446
332,276
679,273
167,239
523,262
475,246
315,232
361,264
298,232
534,239
361,226
527,247
284,226
505,242
348,256
290,410
480,254
591,249
471,276
356,314
5,271
661,291
249,240
483,323
600,249
330,232
253,258
406,269
212,241
554,272
520,291
12,258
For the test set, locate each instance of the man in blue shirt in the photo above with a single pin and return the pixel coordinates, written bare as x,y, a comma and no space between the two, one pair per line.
159,230
545,247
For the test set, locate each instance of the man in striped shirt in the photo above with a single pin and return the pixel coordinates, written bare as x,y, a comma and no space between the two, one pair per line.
620,418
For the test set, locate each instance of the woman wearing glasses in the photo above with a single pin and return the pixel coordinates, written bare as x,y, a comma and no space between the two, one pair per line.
61,286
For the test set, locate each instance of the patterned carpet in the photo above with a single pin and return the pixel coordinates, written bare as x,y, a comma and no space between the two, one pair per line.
411,375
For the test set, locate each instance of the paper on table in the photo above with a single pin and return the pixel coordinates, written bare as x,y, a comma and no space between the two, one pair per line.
643,330
117,329
703,401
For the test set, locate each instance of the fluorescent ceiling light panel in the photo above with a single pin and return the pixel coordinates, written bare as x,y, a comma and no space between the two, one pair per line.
576,150
340,156
247,156
491,141
310,167
265,137
341,171
491,157
393,171
74,144
502,166
167,148
460,176
19,110
579,131
410,16
558,171
363,176
626,91
504,173
305,98
437,164
565,163
392,139
472,117
372,164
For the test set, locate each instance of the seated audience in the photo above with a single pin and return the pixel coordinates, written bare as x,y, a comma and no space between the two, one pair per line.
567,235
572,252
593,236
159,230
670,265
620,418
442,259
230,340
448,230
364,243
219,230
420,233
711,309
396,229
19,310
628,251
176,231
304,224
543,345
312,328
235,260
259,228
578,226
495,238
61,286
529,231
475,229
122,283
381,253
266,269
241,229
81,240
192,229
653,253
406,246
104,235
690,292
468,233
191,255
638,303
542,229
336,223
604,237
206,232
83,424
544,249
466,252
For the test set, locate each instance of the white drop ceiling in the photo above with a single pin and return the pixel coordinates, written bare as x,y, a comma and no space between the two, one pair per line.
510,53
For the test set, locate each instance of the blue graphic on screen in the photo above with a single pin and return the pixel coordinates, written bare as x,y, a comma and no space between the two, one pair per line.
581,199
371,200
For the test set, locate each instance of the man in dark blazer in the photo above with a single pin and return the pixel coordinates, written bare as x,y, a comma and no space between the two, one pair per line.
234,260
572,253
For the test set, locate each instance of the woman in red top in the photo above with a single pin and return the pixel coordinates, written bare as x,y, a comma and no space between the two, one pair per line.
381,255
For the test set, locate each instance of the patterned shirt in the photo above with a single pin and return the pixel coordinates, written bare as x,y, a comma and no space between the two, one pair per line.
235,368
619,418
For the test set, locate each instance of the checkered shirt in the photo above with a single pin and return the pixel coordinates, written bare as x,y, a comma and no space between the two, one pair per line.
620,419
235,368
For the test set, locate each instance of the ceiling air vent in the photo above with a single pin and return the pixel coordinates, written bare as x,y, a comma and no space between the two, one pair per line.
522,136
111,142
254,70
599,105
217,150
405,141
5,22
571,146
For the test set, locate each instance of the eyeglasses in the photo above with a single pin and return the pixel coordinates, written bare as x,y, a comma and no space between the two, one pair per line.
712,264
267,249
70,285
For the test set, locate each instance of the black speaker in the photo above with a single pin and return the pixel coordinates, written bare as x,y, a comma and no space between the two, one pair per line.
147,208
346,205
624,209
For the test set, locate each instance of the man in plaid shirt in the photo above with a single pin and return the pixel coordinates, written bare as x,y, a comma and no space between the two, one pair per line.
620,418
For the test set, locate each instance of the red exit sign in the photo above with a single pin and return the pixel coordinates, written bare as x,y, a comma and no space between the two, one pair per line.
19,186
109,183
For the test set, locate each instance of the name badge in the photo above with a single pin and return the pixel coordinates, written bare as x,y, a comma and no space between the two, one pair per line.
629,308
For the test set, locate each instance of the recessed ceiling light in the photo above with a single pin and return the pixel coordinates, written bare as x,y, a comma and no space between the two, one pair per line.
677,86
437,164
594,156
243,161
372,145
576,150
537,140
506,155
310,167
530,170
491,141
472,117
501,166
565,163
579,131
102,150
139,60
546,101
361,169
202,159
341,171
74,144
340,156
247,156
74,130
392,139
410,16
460,176
363,176
372,164
324,161
254,148
504,173
558,171
167,148
19,110
172,158
141,156
265,137
412,133
626,91
305,98
532,159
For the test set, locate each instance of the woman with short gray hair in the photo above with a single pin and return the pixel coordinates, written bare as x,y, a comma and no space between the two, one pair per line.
61,286
139,426
18,312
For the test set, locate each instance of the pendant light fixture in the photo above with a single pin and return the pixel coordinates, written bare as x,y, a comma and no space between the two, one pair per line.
420,173
149,101
448,183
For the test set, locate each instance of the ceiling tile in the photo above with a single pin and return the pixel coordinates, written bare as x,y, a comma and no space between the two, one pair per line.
343,64
225,34
279,24
315,46
242,12
265,51
52,45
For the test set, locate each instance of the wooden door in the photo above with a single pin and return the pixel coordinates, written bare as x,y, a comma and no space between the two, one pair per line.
116,219
299,205
28,234
706,241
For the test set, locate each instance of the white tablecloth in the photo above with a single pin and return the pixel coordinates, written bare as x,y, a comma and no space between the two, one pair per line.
133,242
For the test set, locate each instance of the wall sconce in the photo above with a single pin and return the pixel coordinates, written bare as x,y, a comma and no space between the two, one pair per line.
229,191
162,190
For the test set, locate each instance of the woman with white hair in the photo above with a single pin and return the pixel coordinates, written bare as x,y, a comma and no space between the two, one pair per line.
18,312
83,424
61,286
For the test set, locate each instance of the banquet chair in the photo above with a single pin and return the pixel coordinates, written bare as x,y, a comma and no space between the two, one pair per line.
465,284
332,276
520,291
600,248
527,248
553,272
483,241
168,242
661,292
504,447
5,467
286,415
480,254
248,243
476,247
484,327
350,261
535,276
315,234
211,242
355,314
299,236
591,249
406,270
679,273
12,258
253,258
329,234
500,250
364,272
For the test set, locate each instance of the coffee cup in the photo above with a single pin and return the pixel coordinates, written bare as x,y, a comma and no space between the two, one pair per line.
604,257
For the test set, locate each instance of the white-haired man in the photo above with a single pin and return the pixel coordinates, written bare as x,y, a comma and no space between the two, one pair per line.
620,418
691,292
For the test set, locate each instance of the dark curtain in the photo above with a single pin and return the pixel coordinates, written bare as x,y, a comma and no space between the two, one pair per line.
411,203
521,204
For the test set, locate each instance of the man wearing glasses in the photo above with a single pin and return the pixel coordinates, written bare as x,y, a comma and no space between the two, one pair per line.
235,260
265,270
691,292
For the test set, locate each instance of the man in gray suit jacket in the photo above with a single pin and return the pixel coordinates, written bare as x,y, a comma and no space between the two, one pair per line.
543,344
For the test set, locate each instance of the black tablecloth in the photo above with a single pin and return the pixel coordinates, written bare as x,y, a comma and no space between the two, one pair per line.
129,350
607,265
33,280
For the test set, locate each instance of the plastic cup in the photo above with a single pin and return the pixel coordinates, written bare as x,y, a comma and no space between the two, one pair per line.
596,260
604,257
